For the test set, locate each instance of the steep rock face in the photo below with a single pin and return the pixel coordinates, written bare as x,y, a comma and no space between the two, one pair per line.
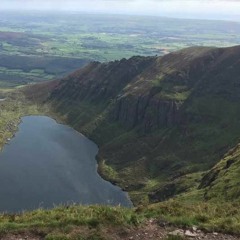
146,91
149,112
101,81
143,91
154,98
153,92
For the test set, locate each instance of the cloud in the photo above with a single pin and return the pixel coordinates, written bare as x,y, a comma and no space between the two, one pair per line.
220,9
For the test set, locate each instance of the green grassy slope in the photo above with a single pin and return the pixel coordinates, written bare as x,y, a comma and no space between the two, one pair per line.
14,105
103,222
221,183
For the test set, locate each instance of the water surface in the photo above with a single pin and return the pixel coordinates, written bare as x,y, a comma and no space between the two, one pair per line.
48,164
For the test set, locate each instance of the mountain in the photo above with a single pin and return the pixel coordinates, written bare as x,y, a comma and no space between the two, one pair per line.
166,126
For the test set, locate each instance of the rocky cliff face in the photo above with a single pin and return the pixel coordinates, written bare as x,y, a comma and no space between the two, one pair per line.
149,112
154,98
146,91
101,81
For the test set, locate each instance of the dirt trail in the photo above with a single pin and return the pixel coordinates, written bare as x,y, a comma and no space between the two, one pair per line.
151,230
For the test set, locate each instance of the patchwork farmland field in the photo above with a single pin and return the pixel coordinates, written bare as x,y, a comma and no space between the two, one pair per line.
43,46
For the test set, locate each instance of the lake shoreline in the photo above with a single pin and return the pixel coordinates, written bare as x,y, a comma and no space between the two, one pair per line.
73,163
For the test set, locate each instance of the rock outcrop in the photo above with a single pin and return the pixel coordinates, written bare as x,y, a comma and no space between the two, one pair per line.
146,91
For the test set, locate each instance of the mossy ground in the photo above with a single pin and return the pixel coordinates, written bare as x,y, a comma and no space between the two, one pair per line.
63,219
74,222
210,216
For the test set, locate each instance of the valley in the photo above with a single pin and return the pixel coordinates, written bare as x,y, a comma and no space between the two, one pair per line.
167,131
159,98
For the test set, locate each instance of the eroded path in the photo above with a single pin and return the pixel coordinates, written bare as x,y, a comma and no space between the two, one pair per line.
151,230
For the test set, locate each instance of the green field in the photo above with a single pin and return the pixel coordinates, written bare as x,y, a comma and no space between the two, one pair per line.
41,46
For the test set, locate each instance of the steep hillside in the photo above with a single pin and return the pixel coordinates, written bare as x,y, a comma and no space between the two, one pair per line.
160,122
221,183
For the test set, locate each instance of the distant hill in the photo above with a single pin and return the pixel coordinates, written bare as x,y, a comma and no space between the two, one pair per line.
165,125
19,70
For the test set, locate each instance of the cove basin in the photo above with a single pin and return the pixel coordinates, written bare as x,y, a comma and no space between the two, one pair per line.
48,164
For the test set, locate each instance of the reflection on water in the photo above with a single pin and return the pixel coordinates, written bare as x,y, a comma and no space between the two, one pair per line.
48,164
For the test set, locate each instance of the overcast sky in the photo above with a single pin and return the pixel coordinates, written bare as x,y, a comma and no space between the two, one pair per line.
216,9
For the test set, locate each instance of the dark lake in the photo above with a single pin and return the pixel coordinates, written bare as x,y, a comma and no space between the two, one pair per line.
48,164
